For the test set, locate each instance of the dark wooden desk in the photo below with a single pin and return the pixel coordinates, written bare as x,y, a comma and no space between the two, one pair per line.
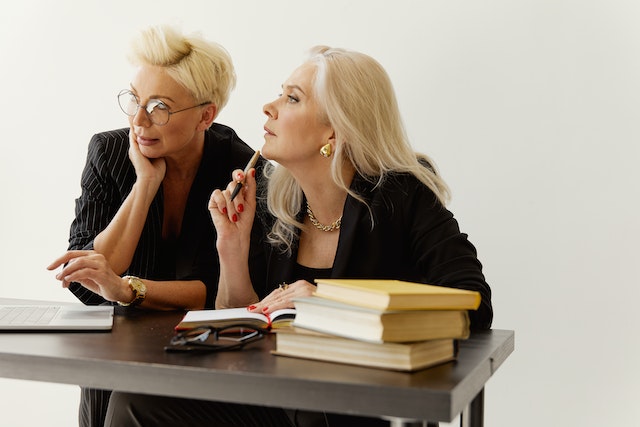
131,358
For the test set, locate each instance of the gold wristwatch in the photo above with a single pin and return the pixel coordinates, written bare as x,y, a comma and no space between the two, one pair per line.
139,289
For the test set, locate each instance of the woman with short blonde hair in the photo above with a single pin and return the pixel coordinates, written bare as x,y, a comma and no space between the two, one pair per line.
142,235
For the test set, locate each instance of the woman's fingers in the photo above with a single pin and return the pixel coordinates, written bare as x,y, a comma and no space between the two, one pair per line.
145,167
67,257
217,203
244,200
87,260
91,270
283,296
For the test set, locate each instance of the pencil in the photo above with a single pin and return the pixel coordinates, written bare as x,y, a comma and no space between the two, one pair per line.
252,162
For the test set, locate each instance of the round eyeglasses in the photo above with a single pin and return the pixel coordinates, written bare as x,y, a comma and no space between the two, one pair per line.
157,111
211,339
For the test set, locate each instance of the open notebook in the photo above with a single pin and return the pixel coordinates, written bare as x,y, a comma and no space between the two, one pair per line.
43,316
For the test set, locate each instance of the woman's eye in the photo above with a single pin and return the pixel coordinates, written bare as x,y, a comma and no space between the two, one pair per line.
155,105
160,105
290,98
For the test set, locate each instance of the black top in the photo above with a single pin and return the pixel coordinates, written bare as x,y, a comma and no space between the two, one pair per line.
301,272
107,179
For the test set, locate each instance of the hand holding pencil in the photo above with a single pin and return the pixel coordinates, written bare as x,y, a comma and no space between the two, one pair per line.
226,206
233,212
252,163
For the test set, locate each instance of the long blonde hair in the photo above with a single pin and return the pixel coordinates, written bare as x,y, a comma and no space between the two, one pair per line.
203,67
356,98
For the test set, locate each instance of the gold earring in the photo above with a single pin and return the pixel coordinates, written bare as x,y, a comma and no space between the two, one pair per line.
326,150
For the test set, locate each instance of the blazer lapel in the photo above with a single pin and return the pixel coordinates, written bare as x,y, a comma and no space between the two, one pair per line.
356,214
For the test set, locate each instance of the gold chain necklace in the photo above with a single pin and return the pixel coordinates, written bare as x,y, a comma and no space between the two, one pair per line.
335,225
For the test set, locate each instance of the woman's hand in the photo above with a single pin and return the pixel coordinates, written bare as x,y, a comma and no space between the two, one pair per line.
233,219
91,270
283,296
152,170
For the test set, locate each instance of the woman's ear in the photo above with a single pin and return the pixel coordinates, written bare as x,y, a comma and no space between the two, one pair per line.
327,149
332,140
209,113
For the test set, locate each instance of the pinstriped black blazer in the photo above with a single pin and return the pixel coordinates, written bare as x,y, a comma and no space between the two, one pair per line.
107,179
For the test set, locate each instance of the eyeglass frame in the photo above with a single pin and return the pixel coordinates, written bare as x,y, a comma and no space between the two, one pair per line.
157,102
182,342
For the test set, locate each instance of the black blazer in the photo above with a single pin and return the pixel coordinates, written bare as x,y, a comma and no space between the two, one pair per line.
407,235
107,179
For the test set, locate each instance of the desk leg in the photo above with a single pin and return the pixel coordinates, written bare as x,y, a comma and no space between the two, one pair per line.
473,416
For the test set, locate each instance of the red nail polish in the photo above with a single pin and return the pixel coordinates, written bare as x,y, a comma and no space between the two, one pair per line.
265,309
253,173
251,307
224,210
234,218
240,207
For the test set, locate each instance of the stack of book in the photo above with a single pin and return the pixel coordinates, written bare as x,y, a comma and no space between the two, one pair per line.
386,324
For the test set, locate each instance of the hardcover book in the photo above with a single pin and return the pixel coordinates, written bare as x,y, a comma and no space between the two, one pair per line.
349,321
412,356
397,295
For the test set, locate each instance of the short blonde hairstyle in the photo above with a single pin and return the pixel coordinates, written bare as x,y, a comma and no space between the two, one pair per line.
203,67
356,98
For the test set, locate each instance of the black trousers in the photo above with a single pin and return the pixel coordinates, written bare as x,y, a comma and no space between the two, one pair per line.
93,407
138,410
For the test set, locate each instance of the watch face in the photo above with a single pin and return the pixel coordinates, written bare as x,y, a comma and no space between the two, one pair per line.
139,288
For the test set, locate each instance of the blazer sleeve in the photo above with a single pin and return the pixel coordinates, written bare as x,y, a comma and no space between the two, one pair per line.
442,253
105,178
403,232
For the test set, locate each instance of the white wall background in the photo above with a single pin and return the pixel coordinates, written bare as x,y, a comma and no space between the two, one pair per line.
530,109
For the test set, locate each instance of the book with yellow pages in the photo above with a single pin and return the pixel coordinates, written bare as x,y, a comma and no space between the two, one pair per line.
232,316
397,294
350,321
303,343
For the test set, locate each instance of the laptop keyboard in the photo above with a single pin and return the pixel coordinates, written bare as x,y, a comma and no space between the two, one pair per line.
32,315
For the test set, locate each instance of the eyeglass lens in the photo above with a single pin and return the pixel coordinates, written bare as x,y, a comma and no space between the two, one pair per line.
227,338
191,336
156,110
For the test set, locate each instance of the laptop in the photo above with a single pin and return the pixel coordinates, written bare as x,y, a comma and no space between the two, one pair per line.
46,316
